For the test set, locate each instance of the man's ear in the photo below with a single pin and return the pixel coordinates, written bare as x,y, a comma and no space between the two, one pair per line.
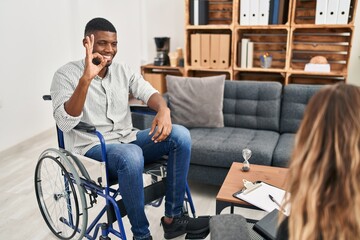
84,41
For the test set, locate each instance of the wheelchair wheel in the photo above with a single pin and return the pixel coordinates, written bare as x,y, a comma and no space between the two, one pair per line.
60,196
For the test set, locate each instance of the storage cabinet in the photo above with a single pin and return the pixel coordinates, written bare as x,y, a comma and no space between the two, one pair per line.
155,75
291,43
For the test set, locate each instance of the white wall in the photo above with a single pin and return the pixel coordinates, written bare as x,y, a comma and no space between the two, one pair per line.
39,36
162,19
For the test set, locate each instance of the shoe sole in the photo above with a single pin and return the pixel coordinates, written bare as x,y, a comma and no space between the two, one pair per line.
176,234
173,234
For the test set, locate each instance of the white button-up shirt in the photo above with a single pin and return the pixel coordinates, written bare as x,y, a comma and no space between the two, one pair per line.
106,105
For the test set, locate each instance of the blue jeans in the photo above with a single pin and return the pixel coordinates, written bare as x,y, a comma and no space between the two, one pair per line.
126,162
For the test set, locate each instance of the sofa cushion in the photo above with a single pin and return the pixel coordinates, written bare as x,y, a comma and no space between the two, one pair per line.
252,104
196,102
220,147
283,150
295,99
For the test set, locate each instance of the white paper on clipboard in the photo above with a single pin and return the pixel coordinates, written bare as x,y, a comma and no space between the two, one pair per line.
259,197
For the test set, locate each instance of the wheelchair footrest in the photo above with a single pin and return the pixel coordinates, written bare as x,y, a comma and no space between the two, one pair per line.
154,191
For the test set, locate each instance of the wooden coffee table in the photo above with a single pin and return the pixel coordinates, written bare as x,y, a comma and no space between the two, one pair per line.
233,182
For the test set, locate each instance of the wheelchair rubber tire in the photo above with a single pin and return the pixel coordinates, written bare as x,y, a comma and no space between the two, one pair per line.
59,192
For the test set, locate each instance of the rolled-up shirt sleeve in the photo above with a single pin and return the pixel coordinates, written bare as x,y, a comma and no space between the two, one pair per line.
61,90
139,87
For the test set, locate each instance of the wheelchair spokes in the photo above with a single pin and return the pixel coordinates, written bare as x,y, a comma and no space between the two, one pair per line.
62,183
61,200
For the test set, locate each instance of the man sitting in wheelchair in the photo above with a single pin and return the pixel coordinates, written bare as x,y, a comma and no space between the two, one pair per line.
95,90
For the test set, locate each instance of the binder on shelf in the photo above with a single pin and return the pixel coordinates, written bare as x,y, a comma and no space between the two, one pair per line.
321,12
274,11
250,54
195,47
224,51
343,12
254,12
245,12
281,12
332,11
205,50
244,44
215,47
264,7
199,12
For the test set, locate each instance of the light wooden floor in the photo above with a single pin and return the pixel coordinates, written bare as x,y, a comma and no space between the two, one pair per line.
20,217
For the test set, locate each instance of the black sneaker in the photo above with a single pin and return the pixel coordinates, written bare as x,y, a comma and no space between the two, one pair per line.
184,224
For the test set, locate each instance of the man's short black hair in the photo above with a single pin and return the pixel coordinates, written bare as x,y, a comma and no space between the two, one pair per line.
99,24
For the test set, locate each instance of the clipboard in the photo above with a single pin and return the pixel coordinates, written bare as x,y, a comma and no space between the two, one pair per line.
257,194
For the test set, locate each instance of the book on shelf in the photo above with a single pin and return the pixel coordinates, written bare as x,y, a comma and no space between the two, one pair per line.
246,52
244,44
199,12
274,11
250,54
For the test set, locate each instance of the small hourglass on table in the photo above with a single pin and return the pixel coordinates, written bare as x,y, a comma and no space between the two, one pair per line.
246,153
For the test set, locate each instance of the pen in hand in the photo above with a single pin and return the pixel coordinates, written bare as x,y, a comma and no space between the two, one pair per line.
277,203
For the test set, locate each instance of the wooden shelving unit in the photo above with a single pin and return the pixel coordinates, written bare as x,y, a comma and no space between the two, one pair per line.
292,43
156,75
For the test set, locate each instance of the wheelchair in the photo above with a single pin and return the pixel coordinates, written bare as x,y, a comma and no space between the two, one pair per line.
68,185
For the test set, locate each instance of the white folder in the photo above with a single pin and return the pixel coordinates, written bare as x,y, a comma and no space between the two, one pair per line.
250,54
332,11
254,12
321,11
264,7
244,12
343,12
244,46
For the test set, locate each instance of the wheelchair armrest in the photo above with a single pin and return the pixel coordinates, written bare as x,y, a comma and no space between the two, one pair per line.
46,97
144,109
85,127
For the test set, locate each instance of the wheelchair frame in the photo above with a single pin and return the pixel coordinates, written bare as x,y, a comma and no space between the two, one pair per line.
70,183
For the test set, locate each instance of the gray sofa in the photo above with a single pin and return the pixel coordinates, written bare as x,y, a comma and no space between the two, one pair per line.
261,116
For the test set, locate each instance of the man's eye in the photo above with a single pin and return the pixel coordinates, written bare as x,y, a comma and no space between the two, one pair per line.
114,44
